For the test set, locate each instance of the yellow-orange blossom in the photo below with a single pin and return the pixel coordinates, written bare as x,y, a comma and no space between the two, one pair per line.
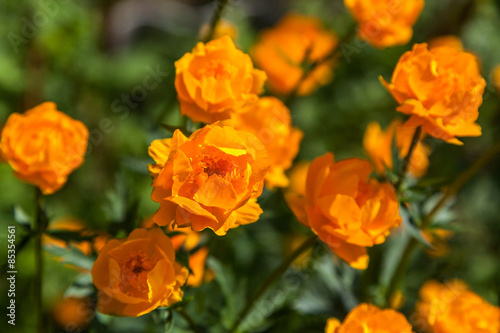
210,180
283,50
43,146
345,208
136,275
215,80
440,89
385,23
270,121
367,318
451,307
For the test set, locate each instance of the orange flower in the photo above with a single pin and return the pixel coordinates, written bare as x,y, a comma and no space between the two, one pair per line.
449,41
378,146
215,80
385,23
270,120
440,89
368,318
136,275
43,146
451,308
283,50
345,208
73,313
210,180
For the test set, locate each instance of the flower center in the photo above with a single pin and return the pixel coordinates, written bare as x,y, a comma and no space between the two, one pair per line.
134,272
219,69
219,167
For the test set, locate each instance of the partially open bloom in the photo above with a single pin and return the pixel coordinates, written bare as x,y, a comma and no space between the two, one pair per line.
346,209
367,318
216,79
451,307
136,275
385,23
43,146
440,89
283,50
378,146
270,121
448,40
210,180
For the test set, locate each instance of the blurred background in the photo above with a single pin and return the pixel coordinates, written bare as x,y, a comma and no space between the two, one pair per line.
110,64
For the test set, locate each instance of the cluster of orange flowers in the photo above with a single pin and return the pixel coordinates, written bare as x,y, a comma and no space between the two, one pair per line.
443,308
213,177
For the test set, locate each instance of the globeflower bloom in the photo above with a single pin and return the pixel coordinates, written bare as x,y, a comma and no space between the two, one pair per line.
368,318
210,180
270,121
136,275
378,146
43,146
283,50
215,80
452,307
441,90
345,208
385,23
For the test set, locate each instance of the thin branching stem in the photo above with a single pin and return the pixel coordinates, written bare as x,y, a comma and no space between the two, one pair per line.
214,21
271,279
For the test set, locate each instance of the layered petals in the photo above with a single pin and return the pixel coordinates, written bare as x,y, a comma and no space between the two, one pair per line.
136,275
270,121
345,208
440,89
385,23
215,80
43,146
209,180
283,50
367,318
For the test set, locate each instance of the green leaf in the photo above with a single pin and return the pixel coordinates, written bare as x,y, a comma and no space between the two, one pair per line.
22,218
413,229
71,256
69,236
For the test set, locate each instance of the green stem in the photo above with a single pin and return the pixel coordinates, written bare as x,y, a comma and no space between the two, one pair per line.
39,229
399,272
461,180
219,9
407,159
278,272
188,319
